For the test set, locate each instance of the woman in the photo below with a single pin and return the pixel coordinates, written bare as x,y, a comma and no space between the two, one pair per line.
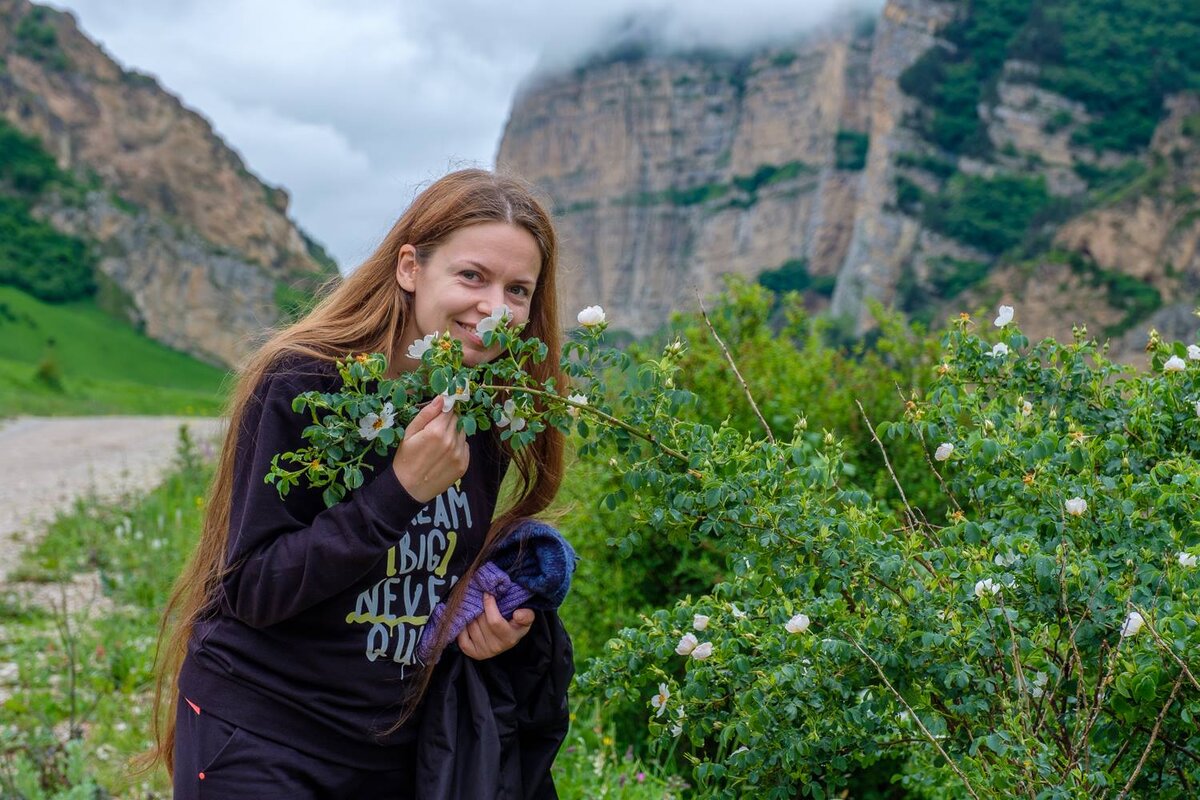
289,642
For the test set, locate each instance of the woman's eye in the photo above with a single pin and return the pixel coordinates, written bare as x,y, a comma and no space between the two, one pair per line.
521,291
469,274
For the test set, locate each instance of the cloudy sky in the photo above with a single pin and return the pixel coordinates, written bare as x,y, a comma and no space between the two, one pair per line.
352,105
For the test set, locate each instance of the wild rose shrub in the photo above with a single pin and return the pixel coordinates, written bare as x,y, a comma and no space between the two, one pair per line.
984,648
1036,638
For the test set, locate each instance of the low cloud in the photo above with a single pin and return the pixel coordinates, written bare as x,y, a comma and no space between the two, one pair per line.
353,105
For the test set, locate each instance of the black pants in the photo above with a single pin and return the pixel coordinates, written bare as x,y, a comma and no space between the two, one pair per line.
218,760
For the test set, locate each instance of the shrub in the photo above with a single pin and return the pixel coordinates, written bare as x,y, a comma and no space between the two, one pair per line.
1036,637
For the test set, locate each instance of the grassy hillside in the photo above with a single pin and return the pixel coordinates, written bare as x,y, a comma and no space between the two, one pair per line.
74,359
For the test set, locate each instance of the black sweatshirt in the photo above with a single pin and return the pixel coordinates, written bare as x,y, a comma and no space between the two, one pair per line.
323,608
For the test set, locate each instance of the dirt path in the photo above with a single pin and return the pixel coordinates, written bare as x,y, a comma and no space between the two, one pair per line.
47,462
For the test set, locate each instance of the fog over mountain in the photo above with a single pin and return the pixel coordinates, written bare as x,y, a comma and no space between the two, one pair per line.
352,106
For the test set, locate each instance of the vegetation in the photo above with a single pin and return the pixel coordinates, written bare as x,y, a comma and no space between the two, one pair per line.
33,255
851,150
104,366
793,276
37,39
955,682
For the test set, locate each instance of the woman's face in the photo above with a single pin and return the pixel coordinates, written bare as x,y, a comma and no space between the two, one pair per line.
475,270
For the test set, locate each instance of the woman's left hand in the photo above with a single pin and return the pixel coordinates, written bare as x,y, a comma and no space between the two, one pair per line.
490,633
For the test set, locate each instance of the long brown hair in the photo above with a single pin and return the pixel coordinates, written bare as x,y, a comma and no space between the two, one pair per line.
366,312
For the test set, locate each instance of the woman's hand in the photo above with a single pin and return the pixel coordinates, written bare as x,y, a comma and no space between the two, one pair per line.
433,453
490,633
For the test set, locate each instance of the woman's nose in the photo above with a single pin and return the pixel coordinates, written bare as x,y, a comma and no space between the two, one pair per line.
489,301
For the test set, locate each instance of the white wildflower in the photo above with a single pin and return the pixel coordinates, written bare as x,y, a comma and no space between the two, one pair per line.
659,700
371,424
1186,559
1026,408
576,398
737,612
501,315
1174,364
591,316
459,396
700,622
1040,679
1194,352
687,644
509,416
797,624
985,587
999,350
1132,624
943,451
421,346
742,749
1076,506
1004,317
702,651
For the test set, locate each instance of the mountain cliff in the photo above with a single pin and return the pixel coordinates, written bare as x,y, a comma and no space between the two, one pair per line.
200,251
940,156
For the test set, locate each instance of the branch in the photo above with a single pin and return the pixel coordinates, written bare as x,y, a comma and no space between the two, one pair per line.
741,380
933,740
1153,736
1182,665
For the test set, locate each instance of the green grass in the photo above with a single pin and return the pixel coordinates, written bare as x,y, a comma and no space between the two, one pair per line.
91,363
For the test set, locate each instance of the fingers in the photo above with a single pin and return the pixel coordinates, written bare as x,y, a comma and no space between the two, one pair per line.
490,633
426,415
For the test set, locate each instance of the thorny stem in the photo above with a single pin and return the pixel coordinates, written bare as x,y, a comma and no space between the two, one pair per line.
736,371
1182,665
932,739
610,419
1153,735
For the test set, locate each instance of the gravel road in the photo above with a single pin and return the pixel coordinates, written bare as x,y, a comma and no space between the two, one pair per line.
47,462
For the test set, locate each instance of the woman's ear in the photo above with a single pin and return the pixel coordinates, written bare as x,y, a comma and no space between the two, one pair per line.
406,268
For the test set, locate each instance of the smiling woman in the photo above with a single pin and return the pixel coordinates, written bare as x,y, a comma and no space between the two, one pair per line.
477,270
352,587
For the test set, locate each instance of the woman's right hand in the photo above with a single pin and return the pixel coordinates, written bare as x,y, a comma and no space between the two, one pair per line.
433,453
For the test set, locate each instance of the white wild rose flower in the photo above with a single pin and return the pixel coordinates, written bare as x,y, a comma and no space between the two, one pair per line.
687,644
1132,624
737,612
459,396
371,424
576,398
985,587
508,416
421,346
702,651
700,622
999,350
943,451
1004,317
1194,352
501,315
1174,364
1039,684
591,316
1026,408
659,701
1187,560
1076,506
797,624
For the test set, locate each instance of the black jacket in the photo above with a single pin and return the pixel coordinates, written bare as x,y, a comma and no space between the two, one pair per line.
490,729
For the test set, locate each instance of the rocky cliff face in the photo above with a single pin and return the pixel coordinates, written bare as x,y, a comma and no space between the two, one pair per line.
198,244
668,171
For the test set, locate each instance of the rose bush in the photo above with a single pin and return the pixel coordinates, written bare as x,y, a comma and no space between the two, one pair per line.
1031,629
